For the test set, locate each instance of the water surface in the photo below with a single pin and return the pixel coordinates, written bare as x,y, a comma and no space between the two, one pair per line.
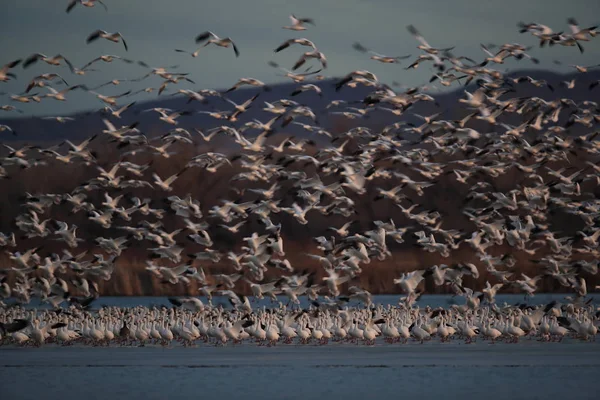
528,370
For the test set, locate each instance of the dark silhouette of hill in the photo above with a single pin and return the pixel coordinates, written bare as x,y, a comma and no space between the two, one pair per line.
38,130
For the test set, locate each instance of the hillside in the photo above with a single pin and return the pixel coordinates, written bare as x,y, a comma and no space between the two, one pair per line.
35,129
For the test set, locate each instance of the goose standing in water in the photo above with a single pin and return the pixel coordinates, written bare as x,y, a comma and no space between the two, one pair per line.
443,331
419,333
369,333
491,332
514,331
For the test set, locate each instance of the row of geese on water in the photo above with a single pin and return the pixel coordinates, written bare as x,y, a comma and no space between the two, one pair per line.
398,166
191,321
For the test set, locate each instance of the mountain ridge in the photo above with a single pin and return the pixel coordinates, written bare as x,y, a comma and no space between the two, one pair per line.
34,129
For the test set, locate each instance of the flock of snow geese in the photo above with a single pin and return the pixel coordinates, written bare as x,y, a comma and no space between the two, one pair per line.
325,180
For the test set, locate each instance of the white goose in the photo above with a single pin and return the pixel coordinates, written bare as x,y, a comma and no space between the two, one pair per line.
211,38
369,333
5,76
491,332
298,23
419,333
113,37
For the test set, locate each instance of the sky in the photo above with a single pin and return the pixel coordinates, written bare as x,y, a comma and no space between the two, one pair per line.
155,28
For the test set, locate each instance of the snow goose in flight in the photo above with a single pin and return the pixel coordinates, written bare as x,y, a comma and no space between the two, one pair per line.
172,253
566,40
333,280
117,113
300,41
377,56
20,152
298,23
4,74
233,229
424,45
172,118
188,303
81,71
214,39
173,79
584,69
306,88
353,76
310,54
202,238
409,281
41,81
68,235
107,58
240,108
26,99
194,54
191,95
568,84
113,37
344,230
166,184
543,32
297,212
249,82
497,58
85,3
56,95
7,128
581,34
8,107
437,62
48,60
104,220
387,59
589,240
446,79
113,246
81,149
110,100
296,77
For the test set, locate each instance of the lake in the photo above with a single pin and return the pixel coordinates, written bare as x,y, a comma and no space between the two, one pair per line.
527,370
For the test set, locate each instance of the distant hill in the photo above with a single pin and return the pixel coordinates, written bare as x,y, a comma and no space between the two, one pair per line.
37,130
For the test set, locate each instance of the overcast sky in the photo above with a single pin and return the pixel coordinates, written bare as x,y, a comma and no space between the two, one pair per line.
154,28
